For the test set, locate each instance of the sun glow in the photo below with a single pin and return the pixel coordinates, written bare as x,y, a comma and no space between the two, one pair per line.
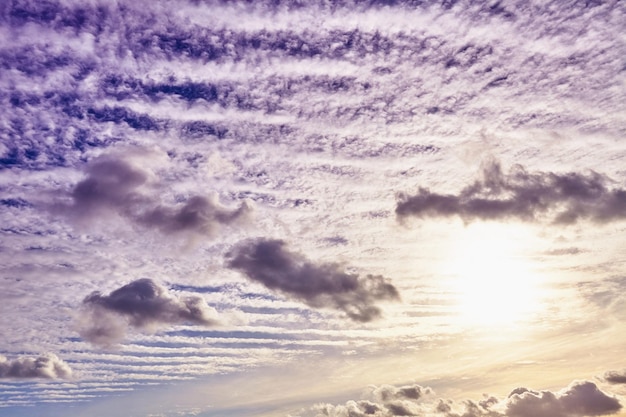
492,280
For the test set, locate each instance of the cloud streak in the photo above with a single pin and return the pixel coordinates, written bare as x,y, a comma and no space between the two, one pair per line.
322,285
520,195
142,304
47,366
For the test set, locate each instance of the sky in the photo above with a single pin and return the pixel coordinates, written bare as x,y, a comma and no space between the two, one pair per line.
315,208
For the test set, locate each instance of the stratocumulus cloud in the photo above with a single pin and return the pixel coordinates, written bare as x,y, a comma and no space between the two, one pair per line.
563,198
141,304
114,186
323,285
47,366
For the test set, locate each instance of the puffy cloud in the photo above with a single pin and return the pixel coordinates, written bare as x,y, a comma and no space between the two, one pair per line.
45,366
581,398
113,186
616,377
142,304
386,401
389,392
318,285
565,198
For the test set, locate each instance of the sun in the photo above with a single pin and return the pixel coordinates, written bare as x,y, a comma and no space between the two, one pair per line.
490,278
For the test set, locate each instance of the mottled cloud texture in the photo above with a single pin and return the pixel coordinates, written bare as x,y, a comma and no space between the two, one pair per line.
322,285
114,186
580,399
45,366
562,198
142,304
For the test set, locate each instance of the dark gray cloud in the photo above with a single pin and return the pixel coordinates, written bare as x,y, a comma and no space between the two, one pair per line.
113,186
562,198
142,304
616,377
580,399
46,366
324,285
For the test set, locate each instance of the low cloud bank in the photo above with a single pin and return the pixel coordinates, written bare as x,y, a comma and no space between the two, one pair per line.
579,399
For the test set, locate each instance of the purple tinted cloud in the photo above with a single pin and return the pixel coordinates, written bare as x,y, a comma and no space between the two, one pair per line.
113,186
321,285
563,198
141,304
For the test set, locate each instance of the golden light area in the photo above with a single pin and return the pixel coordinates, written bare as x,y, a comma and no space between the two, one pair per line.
491,279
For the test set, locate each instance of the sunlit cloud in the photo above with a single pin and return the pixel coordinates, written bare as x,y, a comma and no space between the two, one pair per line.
579,399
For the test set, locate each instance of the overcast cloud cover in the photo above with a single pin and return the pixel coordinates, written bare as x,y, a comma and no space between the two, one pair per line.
338,208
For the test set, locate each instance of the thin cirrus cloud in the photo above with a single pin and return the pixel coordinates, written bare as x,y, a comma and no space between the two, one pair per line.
113,186
47,366
579,399
319,285
142,304
562,198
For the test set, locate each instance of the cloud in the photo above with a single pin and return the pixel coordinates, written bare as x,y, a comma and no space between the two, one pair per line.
581,398
616,377
141,304
563,198
323,285
389,392
46,366
114,186
382,401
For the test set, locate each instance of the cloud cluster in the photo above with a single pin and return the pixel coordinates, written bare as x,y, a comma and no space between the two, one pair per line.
563,198
113,186
46,366
384,401
579,399
141,304
323,285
